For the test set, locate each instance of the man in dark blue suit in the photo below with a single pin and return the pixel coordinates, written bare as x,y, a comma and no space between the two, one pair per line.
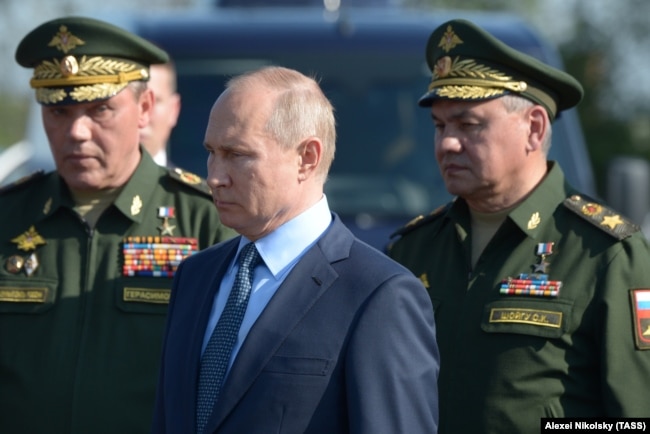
336,337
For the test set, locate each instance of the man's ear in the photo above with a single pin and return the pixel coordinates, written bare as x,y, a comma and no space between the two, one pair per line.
538,124
146,103
310,152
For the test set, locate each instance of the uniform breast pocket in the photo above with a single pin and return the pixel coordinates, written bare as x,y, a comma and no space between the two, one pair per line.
146,295
543,318
27,296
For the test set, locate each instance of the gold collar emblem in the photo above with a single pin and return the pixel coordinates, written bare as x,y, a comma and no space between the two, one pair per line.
136,205
534,221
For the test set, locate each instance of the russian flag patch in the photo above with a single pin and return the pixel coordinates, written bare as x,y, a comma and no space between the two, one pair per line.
641,308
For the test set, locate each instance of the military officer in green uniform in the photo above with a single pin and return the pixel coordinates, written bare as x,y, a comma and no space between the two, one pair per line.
541,294
88,252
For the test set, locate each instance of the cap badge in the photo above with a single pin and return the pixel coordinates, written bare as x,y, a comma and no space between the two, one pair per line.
69,66
443,67
449,40
64,40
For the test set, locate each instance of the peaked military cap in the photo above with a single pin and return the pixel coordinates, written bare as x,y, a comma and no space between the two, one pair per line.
469,63
78,59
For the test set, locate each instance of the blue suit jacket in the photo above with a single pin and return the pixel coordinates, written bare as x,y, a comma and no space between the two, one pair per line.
346,345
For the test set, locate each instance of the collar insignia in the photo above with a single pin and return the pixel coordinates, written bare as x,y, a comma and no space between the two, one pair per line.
136,205
534,221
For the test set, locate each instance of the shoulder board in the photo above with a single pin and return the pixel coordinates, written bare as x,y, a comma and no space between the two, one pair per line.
601,216
190,179
25,180
421,220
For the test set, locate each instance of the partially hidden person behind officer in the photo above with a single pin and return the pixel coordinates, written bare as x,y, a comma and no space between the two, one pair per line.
154,136
541,293
88,252
295,326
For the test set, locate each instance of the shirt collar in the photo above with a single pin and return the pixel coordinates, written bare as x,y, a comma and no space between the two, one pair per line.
285,245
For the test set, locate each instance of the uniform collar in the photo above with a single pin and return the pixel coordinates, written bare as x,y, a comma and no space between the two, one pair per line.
137,192
536,211
533,213
54,194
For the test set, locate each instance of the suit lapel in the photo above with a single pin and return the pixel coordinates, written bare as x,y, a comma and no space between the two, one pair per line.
310,278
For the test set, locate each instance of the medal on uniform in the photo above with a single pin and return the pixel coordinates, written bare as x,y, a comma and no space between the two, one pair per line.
543,250
155,256
166,213
536,284
28,242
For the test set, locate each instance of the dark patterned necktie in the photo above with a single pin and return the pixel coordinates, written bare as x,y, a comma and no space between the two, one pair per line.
216,357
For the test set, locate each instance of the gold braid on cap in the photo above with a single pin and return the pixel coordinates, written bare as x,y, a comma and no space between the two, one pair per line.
92,78
70,72
468,79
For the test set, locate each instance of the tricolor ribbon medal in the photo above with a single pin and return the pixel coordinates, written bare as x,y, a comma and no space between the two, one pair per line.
641,308
27,242
536,284
166,213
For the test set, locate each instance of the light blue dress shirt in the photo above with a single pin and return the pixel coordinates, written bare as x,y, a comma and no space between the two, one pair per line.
281,250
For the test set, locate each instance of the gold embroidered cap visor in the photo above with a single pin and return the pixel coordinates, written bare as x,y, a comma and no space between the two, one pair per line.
468,63
79,59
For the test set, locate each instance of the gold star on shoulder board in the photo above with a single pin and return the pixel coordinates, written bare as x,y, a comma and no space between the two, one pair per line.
612,221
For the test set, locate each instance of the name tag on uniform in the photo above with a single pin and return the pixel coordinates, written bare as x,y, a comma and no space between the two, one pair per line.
23,295
544,318
146,295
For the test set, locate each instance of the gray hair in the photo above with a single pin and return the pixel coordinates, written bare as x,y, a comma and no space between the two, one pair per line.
300,110
516,103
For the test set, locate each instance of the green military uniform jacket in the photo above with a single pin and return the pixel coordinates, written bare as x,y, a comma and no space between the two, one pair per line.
509,359
80,338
